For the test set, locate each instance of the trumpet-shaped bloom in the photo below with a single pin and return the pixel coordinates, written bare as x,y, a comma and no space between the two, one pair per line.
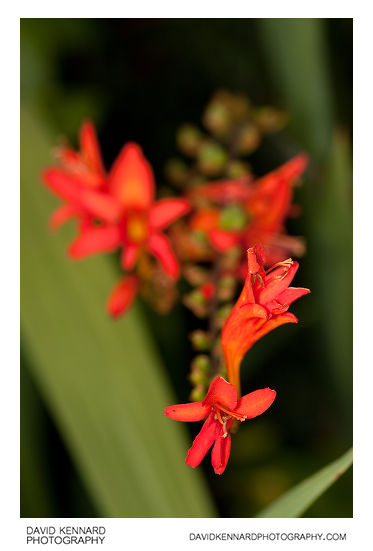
221,407
262,306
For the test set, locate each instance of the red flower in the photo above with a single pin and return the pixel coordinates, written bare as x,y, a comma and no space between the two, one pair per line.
261,208
221,407
139,224
81,182
261,307
141,219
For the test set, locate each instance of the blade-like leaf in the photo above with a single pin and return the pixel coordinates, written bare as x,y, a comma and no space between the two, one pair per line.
297,500
102,379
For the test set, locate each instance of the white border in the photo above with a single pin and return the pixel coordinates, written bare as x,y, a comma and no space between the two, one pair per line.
171,533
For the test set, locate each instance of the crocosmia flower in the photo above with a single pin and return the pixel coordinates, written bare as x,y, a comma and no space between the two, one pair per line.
262,306
138,227
81,182
244,212
221,407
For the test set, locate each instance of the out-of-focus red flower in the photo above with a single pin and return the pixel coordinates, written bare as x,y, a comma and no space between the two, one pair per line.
141,219
261,307
261,208
221,407
81,182
114,210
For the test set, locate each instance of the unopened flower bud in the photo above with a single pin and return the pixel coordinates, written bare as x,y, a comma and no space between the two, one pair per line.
198,393
223,314
217,118
226,288
238,169
212,158
189,139
195,275
248,139
270,120
201,363
200,340
196,302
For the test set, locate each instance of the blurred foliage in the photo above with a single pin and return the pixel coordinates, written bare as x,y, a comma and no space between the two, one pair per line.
101,379
139,80
297,500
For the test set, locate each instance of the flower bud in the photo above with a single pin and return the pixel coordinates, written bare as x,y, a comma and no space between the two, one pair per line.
248,139
212,158
270,120
196,302
198,393
189,139
201,363
201,340
195,275
217,118
238,169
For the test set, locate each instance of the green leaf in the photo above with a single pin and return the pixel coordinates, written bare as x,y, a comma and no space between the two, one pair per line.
101,379
296,54
297,500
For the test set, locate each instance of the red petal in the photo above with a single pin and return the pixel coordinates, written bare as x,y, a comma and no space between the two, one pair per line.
203,441
221,392
255,403
275,321
101,205
220,452
275,284
62,184
62,214
131,178
223,240
122,296
285,299
238,335
95,240
129,255
90,147
165,211
194,411
160,247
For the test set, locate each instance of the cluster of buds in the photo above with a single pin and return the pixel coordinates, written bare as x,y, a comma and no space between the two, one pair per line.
231,210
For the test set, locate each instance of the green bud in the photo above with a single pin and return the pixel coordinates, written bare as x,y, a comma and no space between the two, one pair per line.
212,158
189,139
238,169
270,120
248,139
198,393
201,363
217,118
233,218
200,340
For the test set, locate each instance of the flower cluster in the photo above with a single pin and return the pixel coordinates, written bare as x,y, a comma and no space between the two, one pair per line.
261,307
115,210
222,227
